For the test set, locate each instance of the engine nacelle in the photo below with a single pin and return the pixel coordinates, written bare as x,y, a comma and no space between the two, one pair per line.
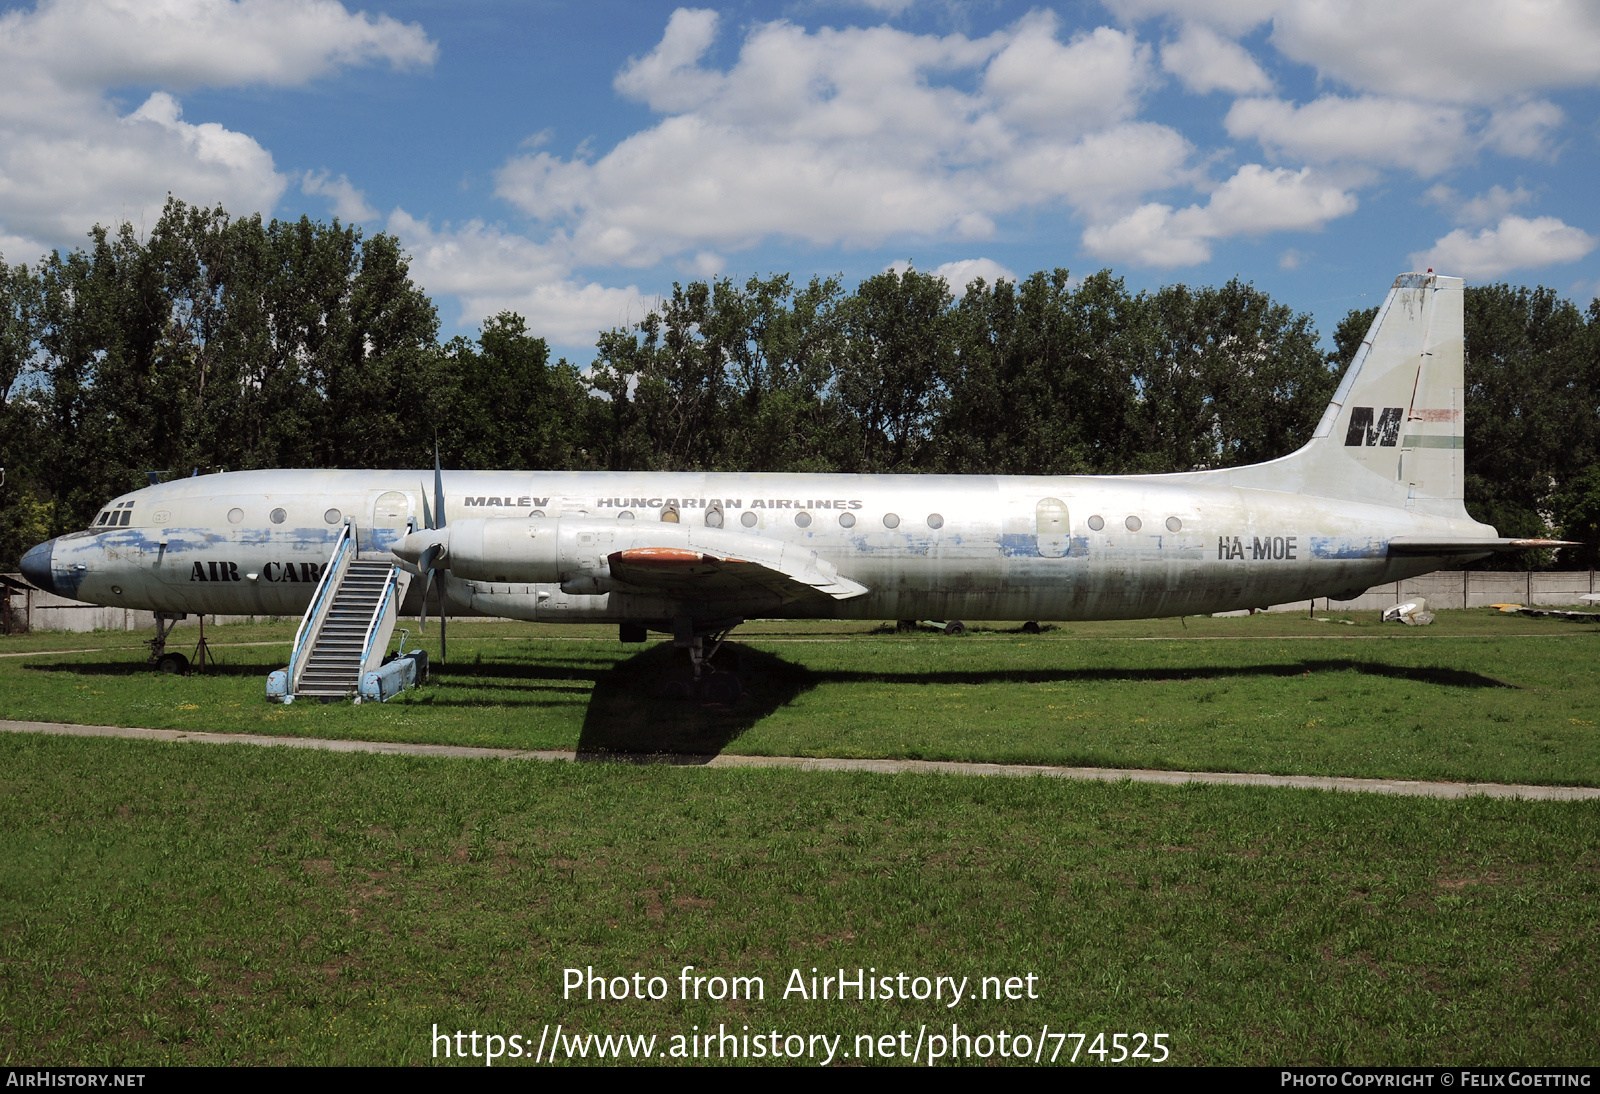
519,550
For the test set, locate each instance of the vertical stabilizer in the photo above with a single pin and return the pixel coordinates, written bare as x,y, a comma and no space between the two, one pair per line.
1393,433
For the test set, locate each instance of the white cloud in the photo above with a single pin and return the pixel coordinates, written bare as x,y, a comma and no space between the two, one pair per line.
1151,235
1585,289
193,43
1516,243
669,78
349,204
1099,172
1422,137
1043,86
70,159
1255,201
1461,51
491,270
63,174
1525,130
1451,51
958,275
887,7
1232,16
852,137
1204,61
1485,208
1292,259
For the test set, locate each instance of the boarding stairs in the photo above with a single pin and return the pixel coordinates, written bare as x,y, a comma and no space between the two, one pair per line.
346,629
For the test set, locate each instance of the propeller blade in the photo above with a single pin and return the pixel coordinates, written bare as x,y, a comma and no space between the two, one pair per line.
438,486
444,650
427,563
427,514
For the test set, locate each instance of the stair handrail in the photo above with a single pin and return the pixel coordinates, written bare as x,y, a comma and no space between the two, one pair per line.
376,622
321,601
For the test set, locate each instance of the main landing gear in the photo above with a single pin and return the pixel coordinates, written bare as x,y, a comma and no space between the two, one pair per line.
706,676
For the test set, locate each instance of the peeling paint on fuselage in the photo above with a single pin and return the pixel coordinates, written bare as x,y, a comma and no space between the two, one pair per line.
964,547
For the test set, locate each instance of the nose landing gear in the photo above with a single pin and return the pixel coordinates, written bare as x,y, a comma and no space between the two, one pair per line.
169,663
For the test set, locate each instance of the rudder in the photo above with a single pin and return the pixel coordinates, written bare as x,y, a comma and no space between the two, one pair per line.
1398,411
1393,432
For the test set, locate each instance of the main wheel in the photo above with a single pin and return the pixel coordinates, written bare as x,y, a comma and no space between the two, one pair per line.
722,687
631,632
173,664
1030,628
955,627
678,684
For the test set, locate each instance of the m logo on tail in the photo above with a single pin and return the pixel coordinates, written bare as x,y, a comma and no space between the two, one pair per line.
1364,431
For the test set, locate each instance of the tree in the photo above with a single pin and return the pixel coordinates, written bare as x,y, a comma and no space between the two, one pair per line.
1531,422
725,377
899,353
25,517
508,406
1576,508
1045,378
1236,379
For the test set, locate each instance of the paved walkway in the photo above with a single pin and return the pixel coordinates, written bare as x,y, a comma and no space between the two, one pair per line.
1402,787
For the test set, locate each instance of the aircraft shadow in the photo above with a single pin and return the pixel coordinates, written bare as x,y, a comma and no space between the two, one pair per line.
139,668
626,722
515,670
1445,677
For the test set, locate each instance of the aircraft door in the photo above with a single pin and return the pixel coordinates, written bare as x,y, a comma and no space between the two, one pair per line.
1052,528
389,515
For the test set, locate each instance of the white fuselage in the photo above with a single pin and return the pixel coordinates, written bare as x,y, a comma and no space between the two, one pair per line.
925,546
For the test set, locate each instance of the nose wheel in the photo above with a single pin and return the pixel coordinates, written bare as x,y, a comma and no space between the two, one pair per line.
168,663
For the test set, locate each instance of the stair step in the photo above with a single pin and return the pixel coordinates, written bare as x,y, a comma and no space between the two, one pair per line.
333,666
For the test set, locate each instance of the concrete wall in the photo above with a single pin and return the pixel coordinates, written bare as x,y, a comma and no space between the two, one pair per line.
1468,589
48,612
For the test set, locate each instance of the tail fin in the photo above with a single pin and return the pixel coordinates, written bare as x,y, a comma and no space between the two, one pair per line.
1393,433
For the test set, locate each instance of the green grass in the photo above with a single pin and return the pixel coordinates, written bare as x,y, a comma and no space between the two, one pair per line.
1479,696
195,904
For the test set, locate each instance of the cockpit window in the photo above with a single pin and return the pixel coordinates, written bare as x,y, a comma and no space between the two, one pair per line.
117,516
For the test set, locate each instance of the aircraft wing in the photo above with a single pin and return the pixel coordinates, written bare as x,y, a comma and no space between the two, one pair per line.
1437,545
695,574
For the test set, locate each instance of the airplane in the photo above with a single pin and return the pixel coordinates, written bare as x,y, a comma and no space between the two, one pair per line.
1376,495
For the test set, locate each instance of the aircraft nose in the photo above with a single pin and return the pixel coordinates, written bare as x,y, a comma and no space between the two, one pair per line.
36,566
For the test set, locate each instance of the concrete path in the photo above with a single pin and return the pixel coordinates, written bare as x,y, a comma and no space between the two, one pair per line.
1402,787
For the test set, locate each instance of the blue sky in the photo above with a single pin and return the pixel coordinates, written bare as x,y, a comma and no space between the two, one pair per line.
571,161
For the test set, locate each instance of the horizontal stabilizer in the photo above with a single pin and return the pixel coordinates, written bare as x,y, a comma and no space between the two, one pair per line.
1436,545
700,575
